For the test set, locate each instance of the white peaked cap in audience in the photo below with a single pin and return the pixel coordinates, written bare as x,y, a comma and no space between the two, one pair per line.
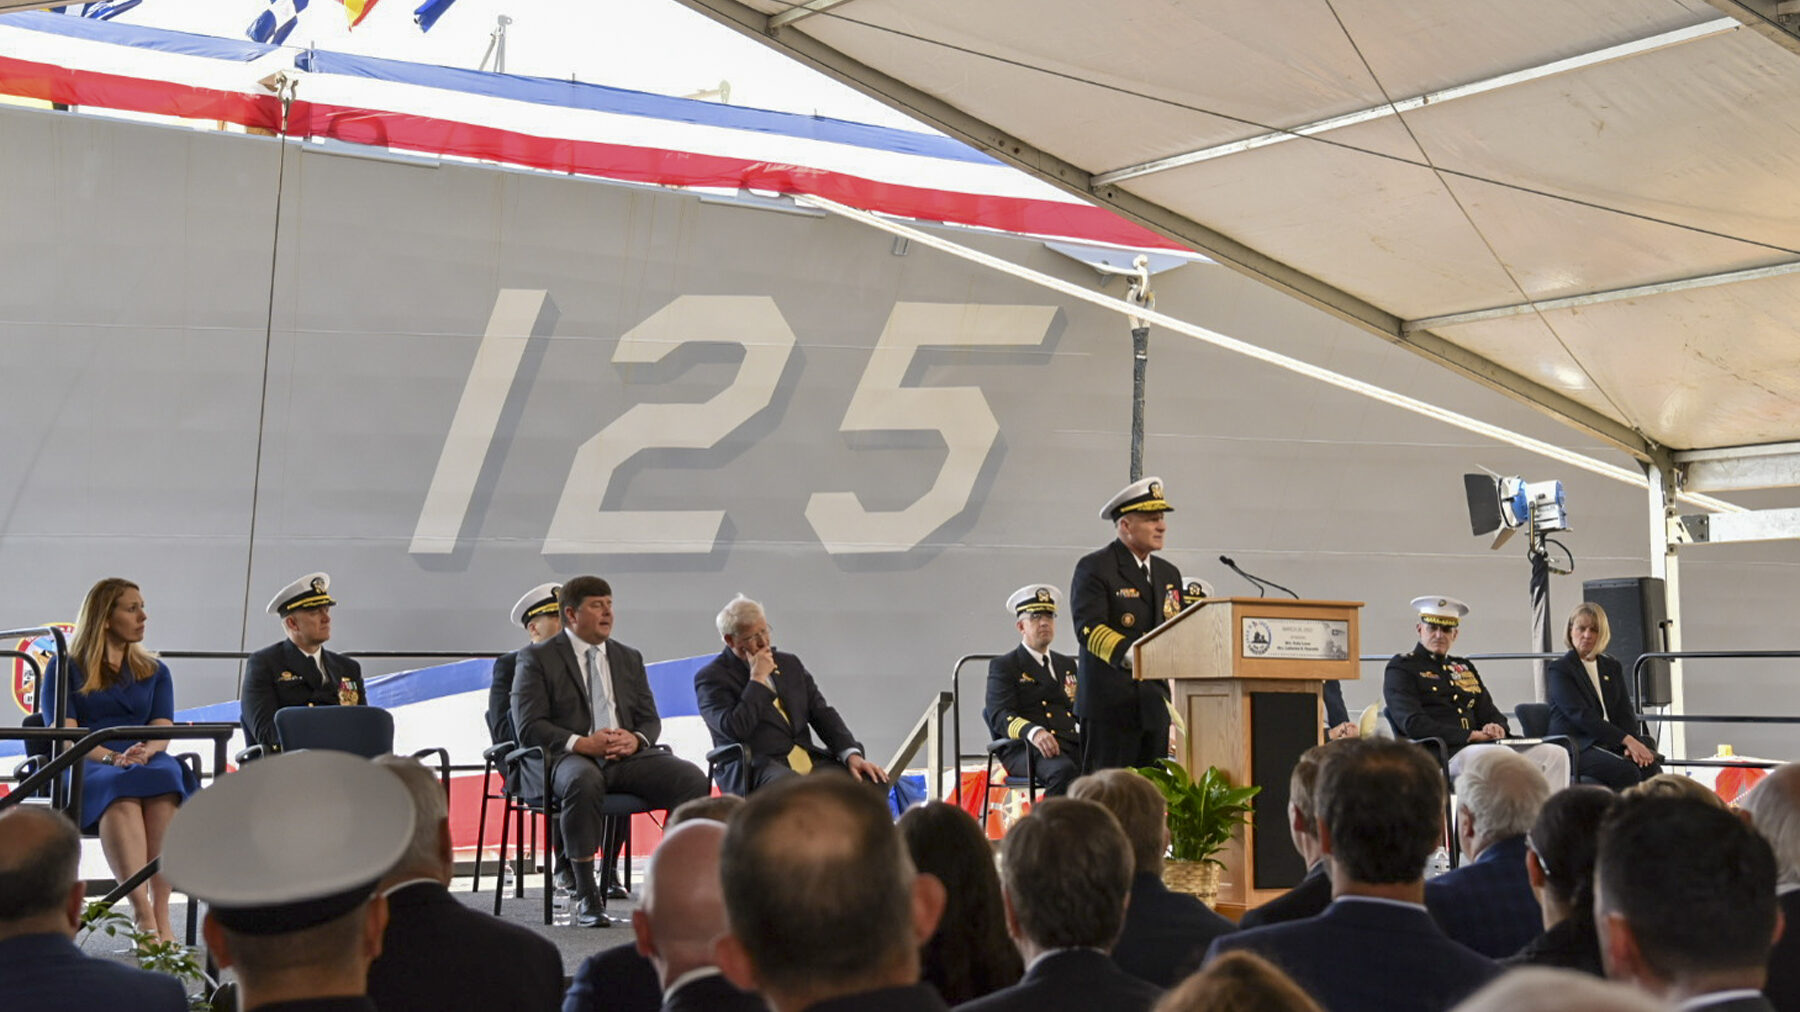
539,600
1033,598
306,592
1142,496
1436,610
290,841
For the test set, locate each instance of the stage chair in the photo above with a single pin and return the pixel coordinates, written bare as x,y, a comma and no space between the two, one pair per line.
1027,783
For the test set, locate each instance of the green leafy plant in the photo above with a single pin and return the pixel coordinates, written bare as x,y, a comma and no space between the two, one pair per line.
151,952
1202,813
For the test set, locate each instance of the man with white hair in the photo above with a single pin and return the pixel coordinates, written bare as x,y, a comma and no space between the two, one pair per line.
1487,904
1774,809
682,915
765,700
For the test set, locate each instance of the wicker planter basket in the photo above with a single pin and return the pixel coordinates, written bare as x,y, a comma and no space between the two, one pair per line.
1196,878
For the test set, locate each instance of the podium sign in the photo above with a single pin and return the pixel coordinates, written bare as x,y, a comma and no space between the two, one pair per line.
1245,675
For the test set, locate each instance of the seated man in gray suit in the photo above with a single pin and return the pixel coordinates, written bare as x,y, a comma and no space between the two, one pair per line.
584,698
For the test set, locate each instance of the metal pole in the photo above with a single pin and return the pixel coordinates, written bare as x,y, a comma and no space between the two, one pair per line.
1540,611
1140,357
1666,564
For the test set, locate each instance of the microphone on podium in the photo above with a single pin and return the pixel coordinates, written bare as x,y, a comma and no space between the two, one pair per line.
1262,586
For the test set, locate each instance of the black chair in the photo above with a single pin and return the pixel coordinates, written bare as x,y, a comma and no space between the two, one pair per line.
738,752
1027,783
1534,719
493,760
367,731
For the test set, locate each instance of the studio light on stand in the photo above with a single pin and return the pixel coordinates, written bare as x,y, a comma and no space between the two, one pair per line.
1501,506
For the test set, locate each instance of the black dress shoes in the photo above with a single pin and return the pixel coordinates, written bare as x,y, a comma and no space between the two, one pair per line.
590,912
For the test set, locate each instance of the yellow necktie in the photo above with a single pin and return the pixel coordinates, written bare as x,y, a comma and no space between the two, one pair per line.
798,758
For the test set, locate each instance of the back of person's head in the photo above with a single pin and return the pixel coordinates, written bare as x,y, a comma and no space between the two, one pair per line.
1238,981
1303,782
1774,807
1674,785
1542,987
1140,808
1066,869
1694,885
1503,790
818,890
335,946
1565,838
970,954
682,906
40,851
718,808
428,855
1381,809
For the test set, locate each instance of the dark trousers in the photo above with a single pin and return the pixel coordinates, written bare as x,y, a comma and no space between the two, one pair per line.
582,783
1134,734
1055,773
1600,765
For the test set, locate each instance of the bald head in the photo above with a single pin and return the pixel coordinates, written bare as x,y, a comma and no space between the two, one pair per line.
39,853
1774,807
683,908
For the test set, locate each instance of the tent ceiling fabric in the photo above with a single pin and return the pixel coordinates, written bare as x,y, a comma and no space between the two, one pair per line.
1670,158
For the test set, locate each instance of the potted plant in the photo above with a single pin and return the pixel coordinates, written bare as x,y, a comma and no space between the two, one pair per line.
1203,814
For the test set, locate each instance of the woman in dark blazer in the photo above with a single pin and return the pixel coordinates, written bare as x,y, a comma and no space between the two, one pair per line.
1590,702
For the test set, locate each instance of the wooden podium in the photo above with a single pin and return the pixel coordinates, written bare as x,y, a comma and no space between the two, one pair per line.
1245,674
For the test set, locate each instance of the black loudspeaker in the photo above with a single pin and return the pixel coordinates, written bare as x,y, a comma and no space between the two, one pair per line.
1634,609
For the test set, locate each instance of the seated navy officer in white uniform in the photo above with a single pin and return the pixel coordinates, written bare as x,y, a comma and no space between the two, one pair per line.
1431,693
287,853
1030,694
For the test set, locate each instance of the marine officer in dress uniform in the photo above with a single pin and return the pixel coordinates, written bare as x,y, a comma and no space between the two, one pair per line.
1433,694
298,671
1118,594
1029,695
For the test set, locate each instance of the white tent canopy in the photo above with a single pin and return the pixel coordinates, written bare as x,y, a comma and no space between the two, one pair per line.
1589,206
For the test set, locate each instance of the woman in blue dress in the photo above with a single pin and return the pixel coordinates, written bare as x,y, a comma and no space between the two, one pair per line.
129,788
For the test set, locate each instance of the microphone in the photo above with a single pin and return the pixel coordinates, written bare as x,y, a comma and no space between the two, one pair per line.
1262,586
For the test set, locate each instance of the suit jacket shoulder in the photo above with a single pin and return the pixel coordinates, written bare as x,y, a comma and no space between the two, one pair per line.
1072,980
713,994
1165,934
1308,899
614,980
438,953
48,973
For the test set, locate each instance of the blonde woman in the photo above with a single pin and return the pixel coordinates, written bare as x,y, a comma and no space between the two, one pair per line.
1590,702
129,788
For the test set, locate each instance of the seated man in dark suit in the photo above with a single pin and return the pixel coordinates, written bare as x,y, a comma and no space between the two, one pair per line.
1065,874
541,615
1685,904
680,916
438,953
584,698
1313,894
826,911
1028,697
1487,904
41,970
1165,933
1375,949
298,671
753,695
1774,809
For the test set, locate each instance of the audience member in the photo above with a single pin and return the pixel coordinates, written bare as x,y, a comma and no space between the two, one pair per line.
1676,785
1590,701
1380,808
826,911
714,808
129,788
1238,982
438,953
1487,904
1165,933
1540,987
1028,700
41,970
286,853
1684,897
681,914
1066,876
584,698
540,612
970,954
1774,809
298,671
1560,863
765,700
1313,894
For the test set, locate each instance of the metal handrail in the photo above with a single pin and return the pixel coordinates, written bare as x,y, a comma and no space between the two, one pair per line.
238,655
956,715
59,696
929,726
85,740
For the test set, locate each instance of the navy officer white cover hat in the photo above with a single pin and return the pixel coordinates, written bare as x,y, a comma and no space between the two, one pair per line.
1033,598
290,841
1436,610
539,600
306,592
1142,496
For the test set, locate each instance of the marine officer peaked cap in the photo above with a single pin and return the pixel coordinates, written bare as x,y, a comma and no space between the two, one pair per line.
1142,496
290,841
1034,598
306,592
539,600
1444,611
